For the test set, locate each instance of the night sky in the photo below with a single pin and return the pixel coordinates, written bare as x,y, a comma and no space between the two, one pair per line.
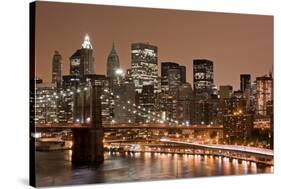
236,43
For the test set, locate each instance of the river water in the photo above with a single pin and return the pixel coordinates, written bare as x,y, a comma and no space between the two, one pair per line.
55,168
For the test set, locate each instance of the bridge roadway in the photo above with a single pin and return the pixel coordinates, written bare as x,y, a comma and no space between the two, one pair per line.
108,127
229,148
233,148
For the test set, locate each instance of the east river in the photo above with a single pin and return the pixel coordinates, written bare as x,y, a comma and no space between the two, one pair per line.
55,168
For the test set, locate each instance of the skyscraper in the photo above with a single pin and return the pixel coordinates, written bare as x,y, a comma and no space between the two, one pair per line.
245,81
264,94
172,75
203,76
46,108
144,65
113,66
57,69
81,62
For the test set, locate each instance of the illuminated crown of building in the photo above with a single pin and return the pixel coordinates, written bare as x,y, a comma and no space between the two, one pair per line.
87,43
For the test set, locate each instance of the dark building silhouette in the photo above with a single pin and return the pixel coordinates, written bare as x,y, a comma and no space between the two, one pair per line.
245,81
203,76
172,75
183,73
165,67
57,69
174,88
185,95
113,66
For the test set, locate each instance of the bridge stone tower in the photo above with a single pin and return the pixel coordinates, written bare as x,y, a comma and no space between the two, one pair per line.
88,142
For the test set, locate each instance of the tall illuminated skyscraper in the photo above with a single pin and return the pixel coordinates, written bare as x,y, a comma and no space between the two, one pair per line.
57,69
203,76
144,65
81,62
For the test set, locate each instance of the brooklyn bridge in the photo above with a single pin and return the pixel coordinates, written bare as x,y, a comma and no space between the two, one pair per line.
90,139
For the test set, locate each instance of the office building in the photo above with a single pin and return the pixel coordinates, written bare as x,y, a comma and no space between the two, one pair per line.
203,76
144,68
81,62
245,81
264,94
57,69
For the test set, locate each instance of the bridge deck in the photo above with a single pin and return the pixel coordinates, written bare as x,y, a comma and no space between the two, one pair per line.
128,126
236,148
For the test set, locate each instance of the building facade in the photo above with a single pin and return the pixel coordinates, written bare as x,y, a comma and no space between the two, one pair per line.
81,62
57,69
144,61
46,98
203,76
264,94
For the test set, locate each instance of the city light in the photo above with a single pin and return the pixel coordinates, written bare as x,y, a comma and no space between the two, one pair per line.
119,72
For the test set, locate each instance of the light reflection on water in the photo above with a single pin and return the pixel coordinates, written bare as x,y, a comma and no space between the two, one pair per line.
55,168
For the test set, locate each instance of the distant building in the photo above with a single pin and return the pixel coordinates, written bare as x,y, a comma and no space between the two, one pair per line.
144,69
203,76
46,97
172,75
245,81
173,87
264,94
114,73
233,104
57,69
237,127
225,91
169,105
199,111
185,95
214,110
81,62
146,100
125,103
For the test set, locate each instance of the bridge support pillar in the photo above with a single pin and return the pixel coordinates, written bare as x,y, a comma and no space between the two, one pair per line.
88,143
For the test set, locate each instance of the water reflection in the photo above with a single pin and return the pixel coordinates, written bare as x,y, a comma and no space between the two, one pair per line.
55,168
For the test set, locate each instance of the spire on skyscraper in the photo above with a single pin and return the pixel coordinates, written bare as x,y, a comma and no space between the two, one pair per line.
113,50
87,43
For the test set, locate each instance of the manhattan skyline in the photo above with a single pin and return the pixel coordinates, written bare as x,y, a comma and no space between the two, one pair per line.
236,43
